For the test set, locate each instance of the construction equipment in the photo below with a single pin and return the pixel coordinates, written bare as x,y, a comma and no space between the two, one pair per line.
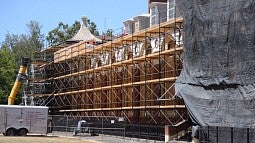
84,127
20,77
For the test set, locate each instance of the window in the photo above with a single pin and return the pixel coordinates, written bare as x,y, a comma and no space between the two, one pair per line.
136,48
137,28
127,30
153,16
171,9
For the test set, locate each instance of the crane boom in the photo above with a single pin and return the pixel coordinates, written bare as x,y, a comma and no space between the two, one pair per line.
21,76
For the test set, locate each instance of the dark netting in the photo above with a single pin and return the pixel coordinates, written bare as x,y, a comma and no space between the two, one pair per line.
217,82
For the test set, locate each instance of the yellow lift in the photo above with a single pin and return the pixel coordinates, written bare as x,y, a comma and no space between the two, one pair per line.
20,77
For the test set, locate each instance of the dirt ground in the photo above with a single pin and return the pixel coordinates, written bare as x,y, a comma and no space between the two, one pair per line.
40,139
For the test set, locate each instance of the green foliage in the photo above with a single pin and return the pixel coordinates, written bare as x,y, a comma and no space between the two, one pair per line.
71,31
109,32
35,36
58,35
7,73
13,49
62,33
93,29
25,45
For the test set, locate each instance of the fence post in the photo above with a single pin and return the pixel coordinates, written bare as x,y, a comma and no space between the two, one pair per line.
102,127
66,124
217,134
208,134
232,136
167,133
124,129
53,126
248,135
80,128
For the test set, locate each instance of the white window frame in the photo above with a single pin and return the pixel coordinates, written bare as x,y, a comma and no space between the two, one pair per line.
171,9
154,20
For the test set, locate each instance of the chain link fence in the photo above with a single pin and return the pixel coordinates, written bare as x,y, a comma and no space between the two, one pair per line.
79,125
102,126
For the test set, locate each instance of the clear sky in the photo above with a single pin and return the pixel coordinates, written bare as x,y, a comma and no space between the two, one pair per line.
15,14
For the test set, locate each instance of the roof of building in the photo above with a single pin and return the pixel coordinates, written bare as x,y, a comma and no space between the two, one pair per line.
84,34
142,15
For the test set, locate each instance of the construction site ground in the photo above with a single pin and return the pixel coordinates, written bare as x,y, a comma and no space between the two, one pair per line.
39,139
68,138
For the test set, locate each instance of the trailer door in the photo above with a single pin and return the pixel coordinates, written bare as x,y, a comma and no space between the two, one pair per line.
2,120
13,118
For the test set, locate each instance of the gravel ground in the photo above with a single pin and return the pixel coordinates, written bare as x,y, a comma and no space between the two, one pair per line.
41,139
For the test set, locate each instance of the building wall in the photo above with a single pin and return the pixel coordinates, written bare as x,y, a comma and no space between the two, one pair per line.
141,22
129,26
139,87
150,1
158,12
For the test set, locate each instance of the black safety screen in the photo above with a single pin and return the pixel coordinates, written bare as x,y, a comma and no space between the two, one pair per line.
217,82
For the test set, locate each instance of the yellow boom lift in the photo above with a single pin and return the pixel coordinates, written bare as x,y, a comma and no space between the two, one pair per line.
20,78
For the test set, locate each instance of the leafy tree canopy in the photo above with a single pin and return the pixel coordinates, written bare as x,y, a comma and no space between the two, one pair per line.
92,27
12,50
62,33
7,73
25,45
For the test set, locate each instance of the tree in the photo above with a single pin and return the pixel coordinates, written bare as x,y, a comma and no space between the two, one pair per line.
64,32
108,35
35,37
60,34
19,46
93,28
71,31
109,32
13,49
25,45
7,73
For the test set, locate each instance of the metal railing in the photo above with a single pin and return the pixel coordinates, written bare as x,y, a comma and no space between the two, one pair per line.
103,126
226,135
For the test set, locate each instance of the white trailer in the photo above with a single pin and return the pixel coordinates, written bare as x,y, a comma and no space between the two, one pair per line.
20,120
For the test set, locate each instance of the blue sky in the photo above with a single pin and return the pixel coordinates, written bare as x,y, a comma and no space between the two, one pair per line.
15,14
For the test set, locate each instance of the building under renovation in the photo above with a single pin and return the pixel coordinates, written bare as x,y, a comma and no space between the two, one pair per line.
130,76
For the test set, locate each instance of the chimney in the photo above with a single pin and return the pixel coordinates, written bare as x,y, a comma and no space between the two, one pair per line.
84,20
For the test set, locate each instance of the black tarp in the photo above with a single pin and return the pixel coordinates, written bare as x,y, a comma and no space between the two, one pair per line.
217,82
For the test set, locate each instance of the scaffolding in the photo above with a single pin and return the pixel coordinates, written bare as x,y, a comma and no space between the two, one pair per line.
132,77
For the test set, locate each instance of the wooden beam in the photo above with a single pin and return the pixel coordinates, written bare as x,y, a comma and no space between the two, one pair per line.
127,108
124,63
169,79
